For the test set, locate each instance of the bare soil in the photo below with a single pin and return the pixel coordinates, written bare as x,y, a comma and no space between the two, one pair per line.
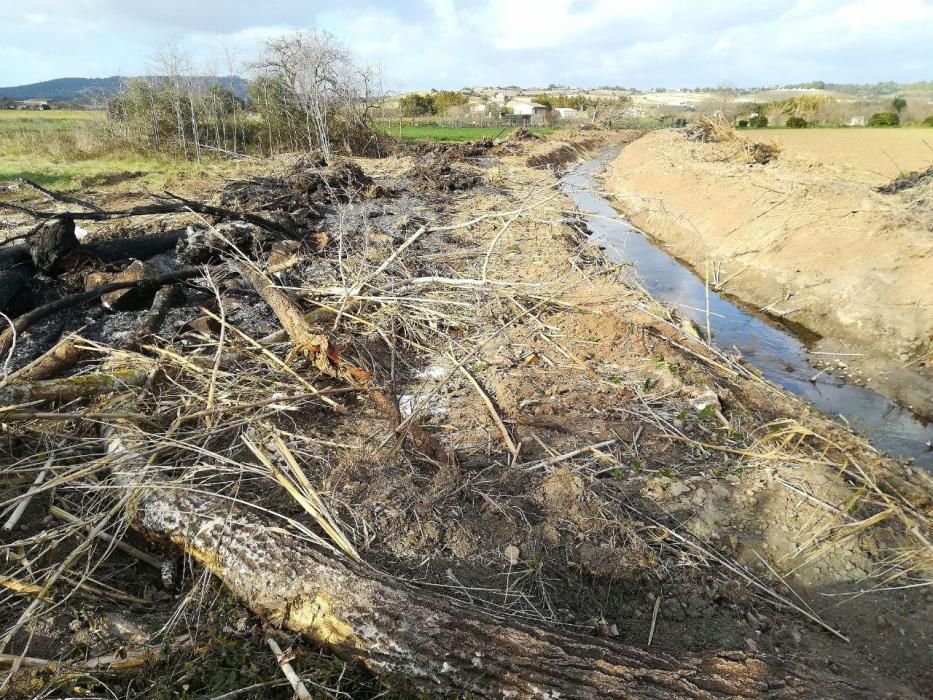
808,237
659,490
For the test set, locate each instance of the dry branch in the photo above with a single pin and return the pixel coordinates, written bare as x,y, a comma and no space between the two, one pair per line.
317,348
62,356
70,388
59,196
161,303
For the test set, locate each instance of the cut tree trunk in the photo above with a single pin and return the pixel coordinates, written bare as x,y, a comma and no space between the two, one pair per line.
432,642
109,250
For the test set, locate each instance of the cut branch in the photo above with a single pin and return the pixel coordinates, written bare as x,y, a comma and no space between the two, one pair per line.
177,206
59,196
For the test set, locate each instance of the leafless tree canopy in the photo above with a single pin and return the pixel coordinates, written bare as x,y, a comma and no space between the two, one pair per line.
326,95
306,93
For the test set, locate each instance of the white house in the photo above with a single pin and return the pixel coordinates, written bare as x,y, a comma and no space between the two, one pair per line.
568,113
532,110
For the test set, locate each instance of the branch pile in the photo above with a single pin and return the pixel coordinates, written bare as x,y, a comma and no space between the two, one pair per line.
273,328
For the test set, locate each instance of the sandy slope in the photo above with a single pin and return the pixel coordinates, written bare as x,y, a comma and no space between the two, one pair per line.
806,237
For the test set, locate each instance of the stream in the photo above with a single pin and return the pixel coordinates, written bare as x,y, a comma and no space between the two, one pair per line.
774,349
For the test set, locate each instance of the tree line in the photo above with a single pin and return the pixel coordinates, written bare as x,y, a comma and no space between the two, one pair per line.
305,92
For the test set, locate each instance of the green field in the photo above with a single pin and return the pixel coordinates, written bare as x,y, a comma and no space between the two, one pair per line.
69,149
455,133
12,120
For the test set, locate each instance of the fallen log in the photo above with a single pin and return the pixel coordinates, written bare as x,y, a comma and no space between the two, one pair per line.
62,356
110,250
52,244
75,387
179,205
12,281
431,641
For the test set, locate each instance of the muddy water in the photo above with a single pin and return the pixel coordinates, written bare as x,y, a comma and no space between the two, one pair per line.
777,351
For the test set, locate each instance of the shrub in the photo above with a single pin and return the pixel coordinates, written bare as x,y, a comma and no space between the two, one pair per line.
743,123
417,105
884,119
796,123
759,122
446,99
928,121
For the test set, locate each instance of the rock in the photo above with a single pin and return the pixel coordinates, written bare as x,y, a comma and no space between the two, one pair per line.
678,488
706,398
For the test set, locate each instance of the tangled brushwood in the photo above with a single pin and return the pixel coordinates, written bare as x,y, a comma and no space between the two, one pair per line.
405,414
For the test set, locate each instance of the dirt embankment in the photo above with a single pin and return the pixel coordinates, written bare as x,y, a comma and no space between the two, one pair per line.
807,237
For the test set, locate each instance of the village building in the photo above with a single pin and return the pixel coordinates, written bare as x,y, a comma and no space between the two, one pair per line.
42,105
528,112
568,113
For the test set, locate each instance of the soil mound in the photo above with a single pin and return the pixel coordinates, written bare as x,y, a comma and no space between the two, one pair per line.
441,173
798,239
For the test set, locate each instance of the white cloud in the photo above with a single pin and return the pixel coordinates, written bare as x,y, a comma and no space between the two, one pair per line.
450,43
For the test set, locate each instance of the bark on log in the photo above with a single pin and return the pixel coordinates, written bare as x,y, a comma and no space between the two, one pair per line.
52,244
435,643
64,355
11,281
70,388
17,257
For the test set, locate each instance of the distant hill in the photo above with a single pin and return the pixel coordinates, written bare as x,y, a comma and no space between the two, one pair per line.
86,89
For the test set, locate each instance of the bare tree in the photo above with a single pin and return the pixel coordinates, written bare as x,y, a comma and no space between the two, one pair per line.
325,91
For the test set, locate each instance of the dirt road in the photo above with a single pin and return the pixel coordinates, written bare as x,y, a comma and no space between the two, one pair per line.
807,237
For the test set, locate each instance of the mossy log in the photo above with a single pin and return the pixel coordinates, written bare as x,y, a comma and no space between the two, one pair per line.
75,387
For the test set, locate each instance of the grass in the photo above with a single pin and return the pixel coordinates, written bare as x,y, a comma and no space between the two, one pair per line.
54,120
456,133
69,149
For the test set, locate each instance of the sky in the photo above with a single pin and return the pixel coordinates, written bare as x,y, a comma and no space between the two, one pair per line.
420,44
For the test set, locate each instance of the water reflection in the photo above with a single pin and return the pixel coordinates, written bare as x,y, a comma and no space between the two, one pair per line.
779,354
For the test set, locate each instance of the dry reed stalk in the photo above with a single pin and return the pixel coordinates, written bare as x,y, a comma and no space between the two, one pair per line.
23,588
119,544
490,406
298,486
27,497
